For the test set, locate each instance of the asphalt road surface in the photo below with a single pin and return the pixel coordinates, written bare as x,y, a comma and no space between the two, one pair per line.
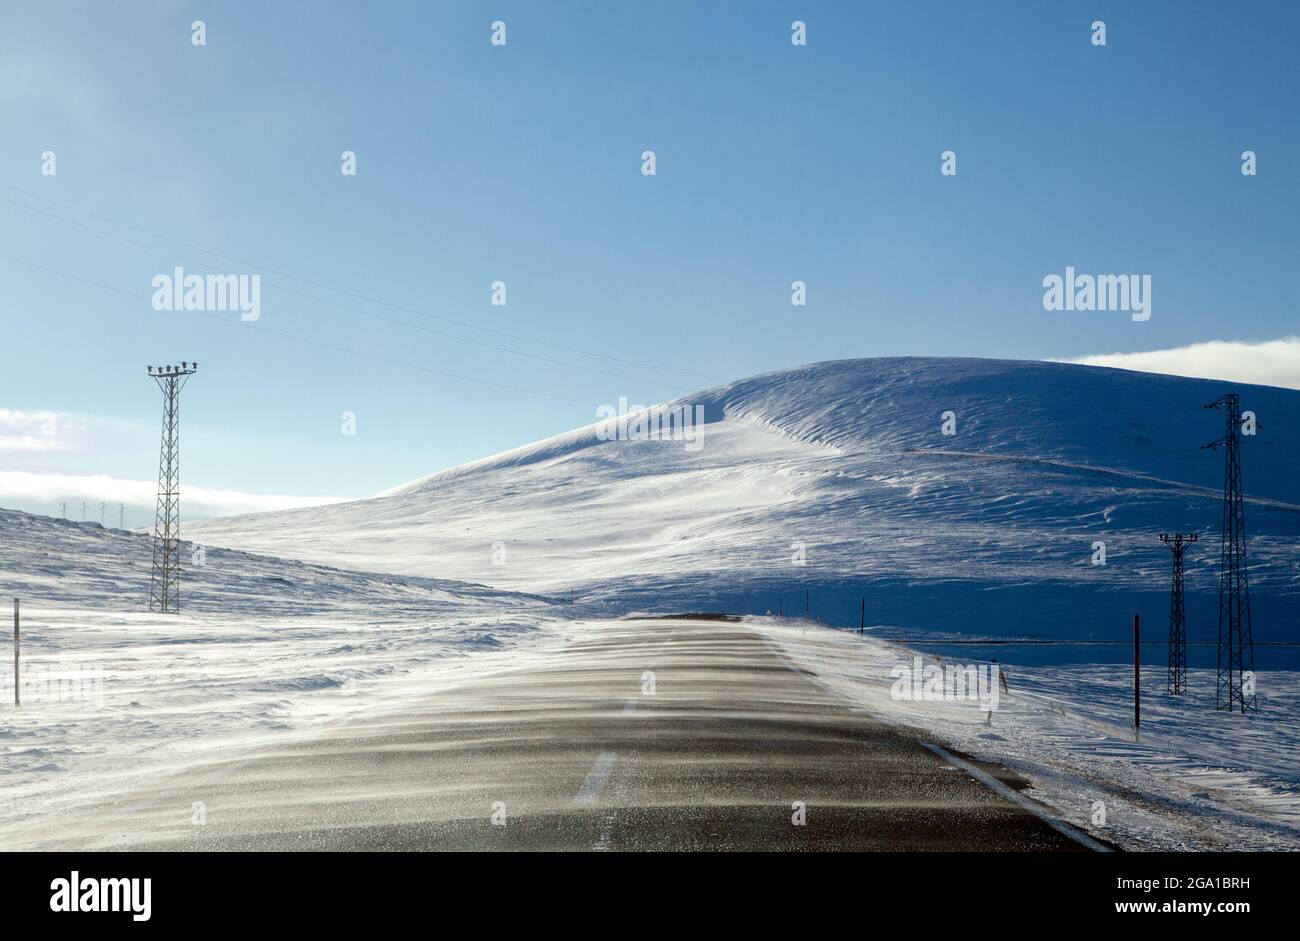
649,735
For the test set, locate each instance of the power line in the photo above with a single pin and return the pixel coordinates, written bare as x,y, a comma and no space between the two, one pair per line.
326,287
348,307
319,343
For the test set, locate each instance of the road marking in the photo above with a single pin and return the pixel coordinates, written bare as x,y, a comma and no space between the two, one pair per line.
991,782
595,779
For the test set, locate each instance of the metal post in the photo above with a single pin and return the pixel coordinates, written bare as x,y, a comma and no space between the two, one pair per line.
862,619
807,602
17,697
1137,673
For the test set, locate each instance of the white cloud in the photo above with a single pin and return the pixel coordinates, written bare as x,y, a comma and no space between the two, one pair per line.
22,487
1270,363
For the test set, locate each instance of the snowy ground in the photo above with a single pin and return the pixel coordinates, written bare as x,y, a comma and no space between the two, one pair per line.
147,695
1196,780
265,649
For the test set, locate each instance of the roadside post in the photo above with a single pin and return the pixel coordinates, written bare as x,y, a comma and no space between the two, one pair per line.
17,695
1137,689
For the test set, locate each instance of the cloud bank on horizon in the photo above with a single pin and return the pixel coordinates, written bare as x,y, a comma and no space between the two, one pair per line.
1268,363
38,492
43,456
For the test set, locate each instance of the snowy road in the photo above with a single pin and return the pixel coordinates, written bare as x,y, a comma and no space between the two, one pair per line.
643,734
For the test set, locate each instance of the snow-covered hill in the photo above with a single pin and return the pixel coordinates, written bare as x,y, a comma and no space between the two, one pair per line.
837,480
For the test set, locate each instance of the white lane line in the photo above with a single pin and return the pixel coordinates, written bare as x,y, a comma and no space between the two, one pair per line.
991,782
595,779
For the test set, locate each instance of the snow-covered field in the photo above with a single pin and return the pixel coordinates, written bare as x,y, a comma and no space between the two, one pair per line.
1195,778
834,480
114,696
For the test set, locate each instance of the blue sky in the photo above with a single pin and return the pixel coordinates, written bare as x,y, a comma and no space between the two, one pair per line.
522,164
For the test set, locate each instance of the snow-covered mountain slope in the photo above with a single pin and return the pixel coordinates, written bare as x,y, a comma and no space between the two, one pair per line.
837,479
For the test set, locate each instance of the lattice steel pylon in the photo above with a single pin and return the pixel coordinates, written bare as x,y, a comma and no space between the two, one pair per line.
165,586
1236,645
1177,684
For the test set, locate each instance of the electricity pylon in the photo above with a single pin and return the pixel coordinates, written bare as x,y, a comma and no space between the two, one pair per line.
165,586
1236,646
1177,618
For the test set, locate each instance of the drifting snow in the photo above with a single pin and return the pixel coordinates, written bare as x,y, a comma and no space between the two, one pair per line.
264,649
